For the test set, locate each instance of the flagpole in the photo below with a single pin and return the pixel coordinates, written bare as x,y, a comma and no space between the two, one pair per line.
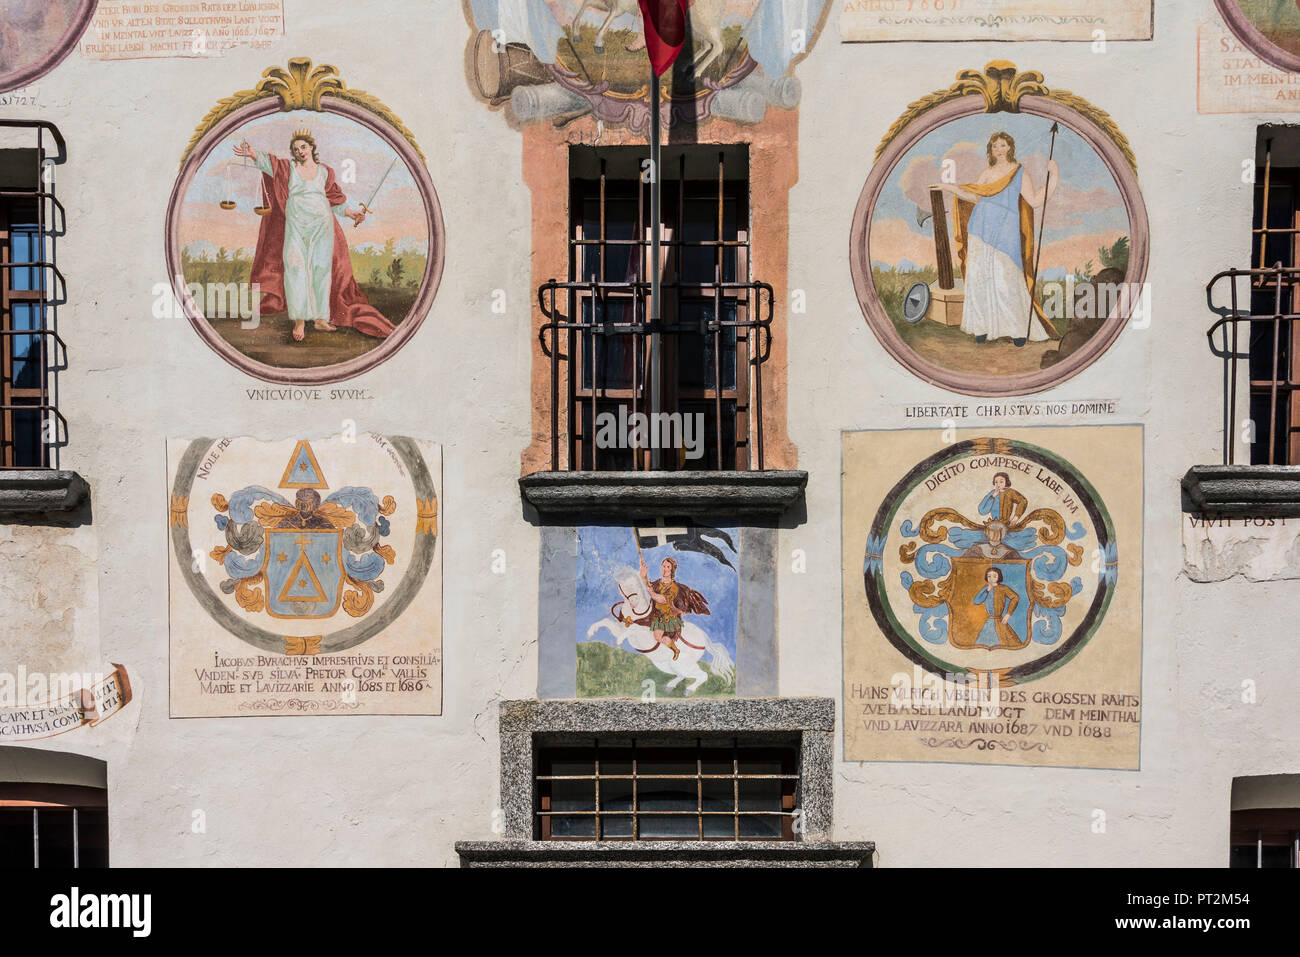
656,231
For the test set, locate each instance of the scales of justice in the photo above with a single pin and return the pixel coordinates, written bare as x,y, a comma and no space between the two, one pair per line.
943,300
229,204
264,207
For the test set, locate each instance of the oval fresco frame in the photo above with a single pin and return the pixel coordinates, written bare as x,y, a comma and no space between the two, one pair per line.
337,641
211,135
56,54
907,134
1249,34
1060,655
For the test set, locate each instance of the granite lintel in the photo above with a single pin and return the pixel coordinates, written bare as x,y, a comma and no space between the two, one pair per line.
752,494
702,715
1242,490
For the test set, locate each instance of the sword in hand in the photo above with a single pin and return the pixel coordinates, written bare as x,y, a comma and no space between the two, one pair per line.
365,209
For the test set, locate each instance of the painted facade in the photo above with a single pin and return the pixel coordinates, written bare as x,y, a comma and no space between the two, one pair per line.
330,528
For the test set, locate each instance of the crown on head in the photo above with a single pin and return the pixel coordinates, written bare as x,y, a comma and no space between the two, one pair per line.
299,134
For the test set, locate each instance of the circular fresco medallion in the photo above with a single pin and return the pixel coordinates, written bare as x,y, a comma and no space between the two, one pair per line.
1020,210
991,556
36,35
304,236
1270,28
326,557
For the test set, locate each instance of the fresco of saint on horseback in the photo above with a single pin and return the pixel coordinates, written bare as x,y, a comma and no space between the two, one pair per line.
653,617
670,600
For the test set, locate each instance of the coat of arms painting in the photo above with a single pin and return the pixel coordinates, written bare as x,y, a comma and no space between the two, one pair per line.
992,596
306,576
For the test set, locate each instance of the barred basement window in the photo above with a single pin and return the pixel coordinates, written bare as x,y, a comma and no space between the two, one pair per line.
714,333
31,287
712,789
53,825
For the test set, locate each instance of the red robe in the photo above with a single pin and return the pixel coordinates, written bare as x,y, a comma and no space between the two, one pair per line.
348,304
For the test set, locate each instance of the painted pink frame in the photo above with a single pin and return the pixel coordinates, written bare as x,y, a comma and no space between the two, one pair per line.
341,371
57,54
965,382
1253,37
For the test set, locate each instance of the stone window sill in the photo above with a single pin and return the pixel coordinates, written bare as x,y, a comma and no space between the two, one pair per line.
27,493
664,854
747,495
1242,490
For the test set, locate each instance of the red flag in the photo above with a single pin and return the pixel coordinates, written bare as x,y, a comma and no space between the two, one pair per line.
665,31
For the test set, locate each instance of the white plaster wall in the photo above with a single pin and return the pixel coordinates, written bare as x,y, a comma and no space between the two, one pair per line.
1200,641
375,790
368,790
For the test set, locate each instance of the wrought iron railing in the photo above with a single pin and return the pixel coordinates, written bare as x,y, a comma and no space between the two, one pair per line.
1281,386
577,318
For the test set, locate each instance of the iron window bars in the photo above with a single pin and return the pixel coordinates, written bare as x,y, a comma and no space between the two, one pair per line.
32,429
1265,838
1272,322
629,790
715,330
44,825
1271,397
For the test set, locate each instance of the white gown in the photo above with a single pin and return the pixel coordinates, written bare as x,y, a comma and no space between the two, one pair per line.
308,244
997,295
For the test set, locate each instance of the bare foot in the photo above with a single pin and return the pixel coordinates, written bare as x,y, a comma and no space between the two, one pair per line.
299,331
324,325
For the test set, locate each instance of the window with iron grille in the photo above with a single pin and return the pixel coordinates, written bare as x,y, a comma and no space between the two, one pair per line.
713,333
1266,838
625,789
1274,363
50,825
31,288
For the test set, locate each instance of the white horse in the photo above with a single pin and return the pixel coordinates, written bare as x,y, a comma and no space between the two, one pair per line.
706,26
692,644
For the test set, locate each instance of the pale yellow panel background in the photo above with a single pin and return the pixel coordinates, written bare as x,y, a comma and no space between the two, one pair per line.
1231,78
269,684
1110,458
869,20
140,29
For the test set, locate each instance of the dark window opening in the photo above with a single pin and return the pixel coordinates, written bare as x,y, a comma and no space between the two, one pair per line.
712,336
59,826
628,790
1265,838
1274,366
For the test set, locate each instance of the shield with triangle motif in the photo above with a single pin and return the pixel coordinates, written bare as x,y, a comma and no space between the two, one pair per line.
304,572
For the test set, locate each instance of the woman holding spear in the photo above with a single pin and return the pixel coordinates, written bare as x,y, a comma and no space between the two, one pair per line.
993,224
